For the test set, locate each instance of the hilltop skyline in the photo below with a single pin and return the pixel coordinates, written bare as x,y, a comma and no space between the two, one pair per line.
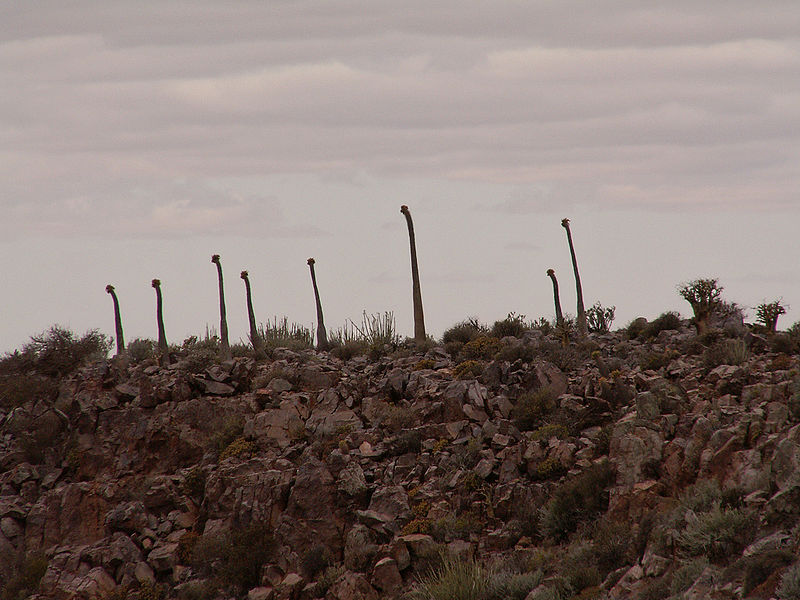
137,142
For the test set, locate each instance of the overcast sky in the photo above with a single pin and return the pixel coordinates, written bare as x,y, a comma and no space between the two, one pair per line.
139,138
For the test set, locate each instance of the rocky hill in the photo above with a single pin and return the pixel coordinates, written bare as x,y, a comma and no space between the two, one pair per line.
644,463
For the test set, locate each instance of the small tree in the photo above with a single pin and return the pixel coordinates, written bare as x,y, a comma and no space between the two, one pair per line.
705,297
768,313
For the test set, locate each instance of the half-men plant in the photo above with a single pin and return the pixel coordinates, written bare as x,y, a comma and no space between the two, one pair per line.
223,320
322,336
581,320
163,349
559,315
419,317
117,320
255,338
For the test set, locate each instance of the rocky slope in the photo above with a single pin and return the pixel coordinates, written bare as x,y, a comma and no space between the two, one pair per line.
612,468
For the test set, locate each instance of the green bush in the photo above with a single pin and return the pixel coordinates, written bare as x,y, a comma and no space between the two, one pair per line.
758,568
457,579
789,588
531,408
56,352
469,369
24,581
140,350
725,352
464,332
577,500
513,325
716,533
17,389
482,348
234,559
667,321
314,561
687,574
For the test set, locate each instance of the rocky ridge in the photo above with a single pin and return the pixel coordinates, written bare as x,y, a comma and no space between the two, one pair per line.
612,468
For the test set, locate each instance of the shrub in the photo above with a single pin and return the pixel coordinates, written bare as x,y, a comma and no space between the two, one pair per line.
758,568
56,352
482,348
578,499
464,332
237,448
716,533
513,325
194,483
327,579
789,588
667,321
454,527
655,361
549,468
564,357
687,574
636,328
409,441
599,319
230,428
235,558
768,313
140,350
469,369
17,389
530,409
725,352
551,430
25,580
282,334
458,579
314,561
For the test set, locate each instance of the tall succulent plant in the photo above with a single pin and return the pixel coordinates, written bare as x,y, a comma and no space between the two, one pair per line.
583,328
255,338
223,319
117,320
322,336
419,316
163,348
559,315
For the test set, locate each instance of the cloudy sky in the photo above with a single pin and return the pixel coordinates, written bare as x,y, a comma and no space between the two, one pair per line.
138,138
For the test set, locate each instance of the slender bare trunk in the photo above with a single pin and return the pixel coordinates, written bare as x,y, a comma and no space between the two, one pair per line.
419,316
322,336
255,339
117,320
163,348
223,320
583,328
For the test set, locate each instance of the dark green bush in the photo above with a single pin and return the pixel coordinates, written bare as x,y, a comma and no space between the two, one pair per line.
513,325
481,348
469,369
140,350
464,332
56,352
314,561
577,500
16,389
24,581
667,321
234,559
532,408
